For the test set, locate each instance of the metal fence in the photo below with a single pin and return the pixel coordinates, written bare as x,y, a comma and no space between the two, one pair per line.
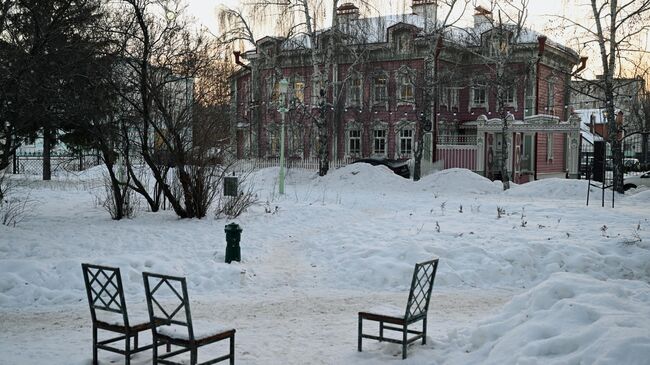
636,152
32,164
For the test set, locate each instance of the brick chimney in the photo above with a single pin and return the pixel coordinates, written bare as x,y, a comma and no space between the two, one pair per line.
428,10
482,16
347,12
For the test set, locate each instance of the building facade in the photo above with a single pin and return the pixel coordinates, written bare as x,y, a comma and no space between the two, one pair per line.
379,83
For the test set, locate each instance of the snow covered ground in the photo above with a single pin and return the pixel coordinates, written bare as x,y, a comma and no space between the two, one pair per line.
550,282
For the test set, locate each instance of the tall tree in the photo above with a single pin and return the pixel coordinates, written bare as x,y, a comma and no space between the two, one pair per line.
436,22
46,45
302,24
168,70
615,31
500,34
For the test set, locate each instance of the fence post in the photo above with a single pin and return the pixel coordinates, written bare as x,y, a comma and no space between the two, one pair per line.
15,158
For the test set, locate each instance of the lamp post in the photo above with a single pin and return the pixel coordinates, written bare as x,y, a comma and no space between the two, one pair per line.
284,84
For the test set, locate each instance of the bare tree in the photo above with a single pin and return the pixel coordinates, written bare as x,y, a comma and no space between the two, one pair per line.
169,72
501,35
434,28
302,23
614,31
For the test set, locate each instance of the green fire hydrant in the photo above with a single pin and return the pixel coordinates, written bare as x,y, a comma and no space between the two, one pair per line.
233,236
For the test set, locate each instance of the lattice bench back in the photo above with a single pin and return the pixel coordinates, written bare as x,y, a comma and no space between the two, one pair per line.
420,294
104,290
177,311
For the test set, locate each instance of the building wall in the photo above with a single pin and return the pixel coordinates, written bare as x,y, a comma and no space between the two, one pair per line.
556,165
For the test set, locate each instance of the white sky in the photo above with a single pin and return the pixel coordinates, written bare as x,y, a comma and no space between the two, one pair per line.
205,10
540,17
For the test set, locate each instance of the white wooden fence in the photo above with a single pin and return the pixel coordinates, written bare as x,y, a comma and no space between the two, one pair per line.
246,165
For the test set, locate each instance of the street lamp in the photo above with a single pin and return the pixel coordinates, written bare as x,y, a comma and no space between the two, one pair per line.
284,85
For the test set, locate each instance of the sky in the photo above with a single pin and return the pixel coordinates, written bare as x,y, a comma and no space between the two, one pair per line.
205,10
542,17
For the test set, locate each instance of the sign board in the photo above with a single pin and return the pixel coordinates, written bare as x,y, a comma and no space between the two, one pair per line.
230,186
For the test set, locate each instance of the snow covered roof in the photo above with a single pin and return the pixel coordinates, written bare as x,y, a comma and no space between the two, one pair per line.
375,30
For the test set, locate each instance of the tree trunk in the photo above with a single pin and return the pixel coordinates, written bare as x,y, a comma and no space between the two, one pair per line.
47,153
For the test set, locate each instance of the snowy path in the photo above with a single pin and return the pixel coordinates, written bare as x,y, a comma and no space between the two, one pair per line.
285,327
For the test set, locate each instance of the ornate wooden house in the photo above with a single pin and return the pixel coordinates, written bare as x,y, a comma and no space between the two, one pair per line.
377,83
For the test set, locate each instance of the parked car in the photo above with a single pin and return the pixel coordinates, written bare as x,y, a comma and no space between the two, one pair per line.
632,182
400,167
631,164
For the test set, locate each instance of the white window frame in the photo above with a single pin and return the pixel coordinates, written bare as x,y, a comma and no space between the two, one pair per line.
351,90
402,128
472,102
299,90
405,85
356,129
375,88
549,146
450,97
550,96
511,96
376,138
316,85
273,133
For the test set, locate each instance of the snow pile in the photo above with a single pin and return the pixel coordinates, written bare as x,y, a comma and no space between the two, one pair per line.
551,189
460,181
567,319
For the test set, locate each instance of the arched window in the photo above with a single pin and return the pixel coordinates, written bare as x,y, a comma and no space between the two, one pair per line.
380,88
405,85
353,138
379,139
355,90
404,139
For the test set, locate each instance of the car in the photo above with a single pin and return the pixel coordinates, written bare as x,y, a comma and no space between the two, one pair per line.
399,167
635,181
631,164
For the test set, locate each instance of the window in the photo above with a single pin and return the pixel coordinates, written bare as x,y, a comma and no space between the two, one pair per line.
449,97
316,86
549,146
551,96
299,91
510,96
405,88
381,89
274,142
272,89
405,142
294,138
479,95
379,142
403,42
355,89
354,142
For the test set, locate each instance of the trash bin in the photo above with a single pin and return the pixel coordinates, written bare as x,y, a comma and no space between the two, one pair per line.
233,236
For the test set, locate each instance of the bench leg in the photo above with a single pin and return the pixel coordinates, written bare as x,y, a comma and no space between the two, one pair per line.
154,349
404,343
94,345
424,330
381,331
232,350
193,356
135,341
360,333
127,349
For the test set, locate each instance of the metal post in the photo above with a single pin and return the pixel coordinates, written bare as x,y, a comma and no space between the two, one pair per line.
283,86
